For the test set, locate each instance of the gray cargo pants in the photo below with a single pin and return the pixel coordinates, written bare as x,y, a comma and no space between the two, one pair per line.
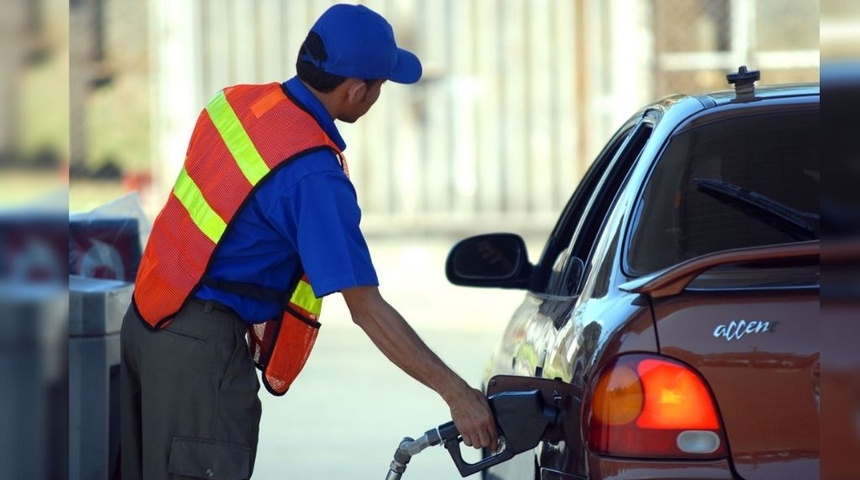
188,403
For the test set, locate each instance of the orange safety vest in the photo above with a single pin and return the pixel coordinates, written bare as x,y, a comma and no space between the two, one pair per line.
244,134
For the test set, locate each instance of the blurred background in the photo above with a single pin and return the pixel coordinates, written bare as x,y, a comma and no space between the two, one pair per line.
518,96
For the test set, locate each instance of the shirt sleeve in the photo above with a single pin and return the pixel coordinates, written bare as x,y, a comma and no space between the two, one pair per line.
320,214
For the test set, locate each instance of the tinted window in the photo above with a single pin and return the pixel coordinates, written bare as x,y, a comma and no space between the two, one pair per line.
569,266
736,183
555,253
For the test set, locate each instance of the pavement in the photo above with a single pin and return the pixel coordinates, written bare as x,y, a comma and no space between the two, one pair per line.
349,409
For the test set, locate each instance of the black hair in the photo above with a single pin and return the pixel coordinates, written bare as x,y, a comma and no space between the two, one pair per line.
309,72
311,54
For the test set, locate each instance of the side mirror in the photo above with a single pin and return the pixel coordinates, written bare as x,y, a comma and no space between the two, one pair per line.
493,260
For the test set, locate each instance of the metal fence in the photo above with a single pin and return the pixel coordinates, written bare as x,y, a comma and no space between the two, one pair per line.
698,41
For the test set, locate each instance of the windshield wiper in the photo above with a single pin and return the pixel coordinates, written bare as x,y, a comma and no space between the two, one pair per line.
777,214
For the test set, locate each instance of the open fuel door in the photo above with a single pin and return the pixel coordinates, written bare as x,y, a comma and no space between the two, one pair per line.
553,394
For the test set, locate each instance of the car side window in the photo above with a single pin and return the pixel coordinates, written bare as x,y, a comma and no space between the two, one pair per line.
562,264
554,257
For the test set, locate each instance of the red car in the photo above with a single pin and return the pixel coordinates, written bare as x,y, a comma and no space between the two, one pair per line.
677,297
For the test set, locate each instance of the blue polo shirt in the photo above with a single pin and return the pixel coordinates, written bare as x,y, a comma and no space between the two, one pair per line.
306,211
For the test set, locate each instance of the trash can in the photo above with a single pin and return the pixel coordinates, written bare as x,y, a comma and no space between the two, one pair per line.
33,388
104,247
96,309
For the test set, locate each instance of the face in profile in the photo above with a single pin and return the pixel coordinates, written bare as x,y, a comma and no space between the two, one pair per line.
360,97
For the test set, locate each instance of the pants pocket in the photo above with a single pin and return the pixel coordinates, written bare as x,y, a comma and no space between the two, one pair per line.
239,373
171,331
210,459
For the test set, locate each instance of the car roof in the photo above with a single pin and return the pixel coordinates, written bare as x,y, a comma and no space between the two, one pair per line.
767,92
690,111
698,102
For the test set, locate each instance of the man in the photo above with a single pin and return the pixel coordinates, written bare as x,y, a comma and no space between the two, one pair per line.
261,224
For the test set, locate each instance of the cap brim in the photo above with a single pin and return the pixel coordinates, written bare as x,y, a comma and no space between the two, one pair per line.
407,69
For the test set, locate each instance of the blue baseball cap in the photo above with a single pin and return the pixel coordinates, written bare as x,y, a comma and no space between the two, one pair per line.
360,43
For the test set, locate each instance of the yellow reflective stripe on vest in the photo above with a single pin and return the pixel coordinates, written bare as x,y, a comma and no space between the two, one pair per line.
190,196
237,139
305,298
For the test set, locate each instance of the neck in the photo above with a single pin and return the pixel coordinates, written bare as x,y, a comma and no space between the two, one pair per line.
327,100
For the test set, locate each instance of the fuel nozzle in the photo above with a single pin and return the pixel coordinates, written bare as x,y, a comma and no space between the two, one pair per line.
521,418
526,410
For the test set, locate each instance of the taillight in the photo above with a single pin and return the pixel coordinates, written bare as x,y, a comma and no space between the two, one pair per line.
649,406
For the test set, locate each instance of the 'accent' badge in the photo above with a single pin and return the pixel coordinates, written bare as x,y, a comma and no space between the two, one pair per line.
736,329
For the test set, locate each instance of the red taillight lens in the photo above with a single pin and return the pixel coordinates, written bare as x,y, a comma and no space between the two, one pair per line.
648,406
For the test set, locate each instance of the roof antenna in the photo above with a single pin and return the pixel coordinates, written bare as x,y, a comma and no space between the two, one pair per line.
744,82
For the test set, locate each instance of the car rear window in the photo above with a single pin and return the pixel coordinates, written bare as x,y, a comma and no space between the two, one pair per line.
739,182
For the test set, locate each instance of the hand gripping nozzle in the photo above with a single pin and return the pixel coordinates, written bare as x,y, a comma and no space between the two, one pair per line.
522,418
526,410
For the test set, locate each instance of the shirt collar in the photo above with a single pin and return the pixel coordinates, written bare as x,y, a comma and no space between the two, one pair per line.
312,104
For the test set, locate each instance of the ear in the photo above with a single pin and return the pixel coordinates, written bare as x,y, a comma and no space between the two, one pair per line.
356,90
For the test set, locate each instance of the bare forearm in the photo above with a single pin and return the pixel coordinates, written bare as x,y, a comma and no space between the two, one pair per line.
390,332
399,342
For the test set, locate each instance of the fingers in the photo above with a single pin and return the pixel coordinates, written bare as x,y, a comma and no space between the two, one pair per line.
483,432
494,441
477,440
483,438
475,421
492,438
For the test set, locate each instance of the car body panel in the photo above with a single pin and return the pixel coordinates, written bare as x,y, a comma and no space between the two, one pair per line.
745,320
762,378
613,469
